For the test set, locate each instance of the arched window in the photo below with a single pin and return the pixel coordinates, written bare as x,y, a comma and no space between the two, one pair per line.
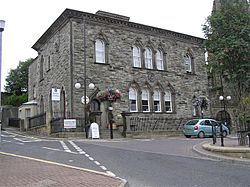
145,101
188,63
157,101
168,101
100,51
133,100
95,106
159,60
41,68
148,58
136,57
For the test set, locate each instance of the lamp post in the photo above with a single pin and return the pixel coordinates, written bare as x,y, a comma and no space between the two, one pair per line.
223,105
2,24
85,101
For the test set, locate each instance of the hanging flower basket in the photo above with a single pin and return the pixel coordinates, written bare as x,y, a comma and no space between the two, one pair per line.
110,95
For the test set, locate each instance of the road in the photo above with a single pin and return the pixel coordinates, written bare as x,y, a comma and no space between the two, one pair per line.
142,162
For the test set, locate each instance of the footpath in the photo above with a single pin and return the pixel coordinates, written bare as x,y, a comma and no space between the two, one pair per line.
230,152
21,171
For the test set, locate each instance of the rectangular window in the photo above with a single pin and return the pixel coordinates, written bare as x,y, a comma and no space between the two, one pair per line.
157,101
145,101
132,100
168,101
132,105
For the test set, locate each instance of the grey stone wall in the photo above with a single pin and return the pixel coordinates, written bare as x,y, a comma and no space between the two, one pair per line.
55,75
66,51
119,73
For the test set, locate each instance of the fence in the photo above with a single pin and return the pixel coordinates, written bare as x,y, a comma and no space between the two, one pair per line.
14,122
38,120
57,125
144,124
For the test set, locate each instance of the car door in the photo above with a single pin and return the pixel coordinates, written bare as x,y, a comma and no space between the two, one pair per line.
207,128
216,126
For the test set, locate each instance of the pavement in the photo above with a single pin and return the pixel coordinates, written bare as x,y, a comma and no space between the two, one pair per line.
21,171
230,152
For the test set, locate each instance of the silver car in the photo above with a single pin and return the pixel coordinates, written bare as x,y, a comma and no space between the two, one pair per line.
203,128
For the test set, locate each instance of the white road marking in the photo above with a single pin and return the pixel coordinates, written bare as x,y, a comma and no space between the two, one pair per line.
97,163
27,140
65,147
53,149
103,167
80,151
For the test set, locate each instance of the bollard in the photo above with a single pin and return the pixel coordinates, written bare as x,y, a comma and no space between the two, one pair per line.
214,134
249,139
221,135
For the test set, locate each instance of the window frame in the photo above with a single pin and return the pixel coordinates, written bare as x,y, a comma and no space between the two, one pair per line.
159,53
157,99
188,63
148,58
102,51
169,99
146,93
137,61
133,92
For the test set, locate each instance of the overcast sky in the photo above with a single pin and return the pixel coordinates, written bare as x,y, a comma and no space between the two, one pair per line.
27,20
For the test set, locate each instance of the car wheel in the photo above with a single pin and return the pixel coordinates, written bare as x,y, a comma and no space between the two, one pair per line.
201,134
187,136
224,133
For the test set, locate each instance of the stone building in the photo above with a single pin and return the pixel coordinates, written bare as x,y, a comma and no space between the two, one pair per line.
158,72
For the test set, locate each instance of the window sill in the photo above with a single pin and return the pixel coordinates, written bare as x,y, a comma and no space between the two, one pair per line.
101,63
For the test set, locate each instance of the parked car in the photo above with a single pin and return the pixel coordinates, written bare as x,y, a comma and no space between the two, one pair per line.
203,128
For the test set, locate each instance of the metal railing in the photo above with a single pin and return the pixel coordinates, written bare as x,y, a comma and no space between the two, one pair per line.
38,120
156,124
57,125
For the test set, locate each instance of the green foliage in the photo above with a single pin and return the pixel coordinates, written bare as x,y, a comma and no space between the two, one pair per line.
228,43
17,80
227,31
16,100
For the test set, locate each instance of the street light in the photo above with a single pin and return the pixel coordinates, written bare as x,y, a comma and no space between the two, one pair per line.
223,103
85,101
2,24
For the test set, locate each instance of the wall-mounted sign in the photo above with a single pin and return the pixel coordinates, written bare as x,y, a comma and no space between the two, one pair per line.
83,101
70,123
55,94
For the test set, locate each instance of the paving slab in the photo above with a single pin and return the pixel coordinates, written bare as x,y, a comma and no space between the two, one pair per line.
20,171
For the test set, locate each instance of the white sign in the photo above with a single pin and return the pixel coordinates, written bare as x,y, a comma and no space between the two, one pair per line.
56,94
83,101
70,123
94,131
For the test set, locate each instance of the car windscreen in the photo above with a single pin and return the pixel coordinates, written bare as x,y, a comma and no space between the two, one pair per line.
192,122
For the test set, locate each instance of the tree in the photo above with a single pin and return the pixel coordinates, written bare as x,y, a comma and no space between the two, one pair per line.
17,84
17,80
227,31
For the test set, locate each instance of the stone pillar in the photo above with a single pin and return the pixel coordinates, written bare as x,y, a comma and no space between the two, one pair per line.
126,122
